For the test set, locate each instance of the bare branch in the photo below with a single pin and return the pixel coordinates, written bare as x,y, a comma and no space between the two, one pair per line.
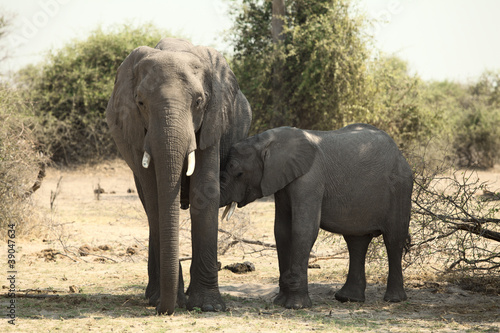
476,229
248,241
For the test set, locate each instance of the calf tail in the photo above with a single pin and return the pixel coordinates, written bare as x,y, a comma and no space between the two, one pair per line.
407,245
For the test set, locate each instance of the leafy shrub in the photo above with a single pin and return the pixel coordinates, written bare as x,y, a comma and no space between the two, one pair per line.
395,102
477,141
70,91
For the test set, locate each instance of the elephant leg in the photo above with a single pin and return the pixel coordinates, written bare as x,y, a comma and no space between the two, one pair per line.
354,288
395,290
306,214
204,201
152,289
395,239
283,237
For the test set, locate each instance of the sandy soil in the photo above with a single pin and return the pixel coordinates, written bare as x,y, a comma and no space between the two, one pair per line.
84,269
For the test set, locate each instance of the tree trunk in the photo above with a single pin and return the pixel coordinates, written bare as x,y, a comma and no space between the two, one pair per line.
279,110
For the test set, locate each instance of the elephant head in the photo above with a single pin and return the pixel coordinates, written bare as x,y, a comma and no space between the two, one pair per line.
264,164
167,102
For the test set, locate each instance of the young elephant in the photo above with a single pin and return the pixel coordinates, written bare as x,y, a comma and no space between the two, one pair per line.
353,181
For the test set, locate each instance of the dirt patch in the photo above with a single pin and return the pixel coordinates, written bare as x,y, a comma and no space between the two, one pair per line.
86,269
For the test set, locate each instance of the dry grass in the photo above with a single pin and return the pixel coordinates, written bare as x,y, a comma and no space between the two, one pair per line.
85,270
19,163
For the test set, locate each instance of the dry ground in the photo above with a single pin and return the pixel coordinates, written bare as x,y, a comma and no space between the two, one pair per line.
84,269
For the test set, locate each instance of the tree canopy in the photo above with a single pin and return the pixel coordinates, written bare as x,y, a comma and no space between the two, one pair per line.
322,58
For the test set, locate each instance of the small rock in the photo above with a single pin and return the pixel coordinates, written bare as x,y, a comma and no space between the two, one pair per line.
73,289
131,251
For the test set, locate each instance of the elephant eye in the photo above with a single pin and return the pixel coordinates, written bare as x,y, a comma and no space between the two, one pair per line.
140,103
239,174
198,101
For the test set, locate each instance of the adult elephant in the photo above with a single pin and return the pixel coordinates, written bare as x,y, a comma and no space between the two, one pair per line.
173,105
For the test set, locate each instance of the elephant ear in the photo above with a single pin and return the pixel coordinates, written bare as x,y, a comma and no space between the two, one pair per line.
287,154
122,113
223,87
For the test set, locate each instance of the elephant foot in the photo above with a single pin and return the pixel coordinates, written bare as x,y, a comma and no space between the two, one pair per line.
293,300
395,296
181,299
154,298
152,289
206,300
350,295
280,299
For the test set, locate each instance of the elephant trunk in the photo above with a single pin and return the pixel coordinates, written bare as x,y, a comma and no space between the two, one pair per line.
225,196
224,189
170,153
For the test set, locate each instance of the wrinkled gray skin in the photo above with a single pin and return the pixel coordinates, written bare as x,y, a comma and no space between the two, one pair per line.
353,181
170,101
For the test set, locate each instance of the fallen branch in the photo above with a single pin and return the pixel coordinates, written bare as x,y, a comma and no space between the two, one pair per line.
36,293
476,229
447,218
38,182
100,256
333,256
248,241
38,296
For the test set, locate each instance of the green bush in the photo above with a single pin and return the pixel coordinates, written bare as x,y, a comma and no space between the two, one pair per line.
71,88
395,102
476,140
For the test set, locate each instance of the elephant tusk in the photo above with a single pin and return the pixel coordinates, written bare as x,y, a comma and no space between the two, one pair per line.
229,211
145,160
191,164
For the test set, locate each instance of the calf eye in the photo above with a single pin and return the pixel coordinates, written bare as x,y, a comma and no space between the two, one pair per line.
239,175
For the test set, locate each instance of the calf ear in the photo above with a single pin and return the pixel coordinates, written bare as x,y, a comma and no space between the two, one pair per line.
287,154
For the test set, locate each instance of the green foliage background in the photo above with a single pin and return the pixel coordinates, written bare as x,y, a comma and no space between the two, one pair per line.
333,76
71,88
323,57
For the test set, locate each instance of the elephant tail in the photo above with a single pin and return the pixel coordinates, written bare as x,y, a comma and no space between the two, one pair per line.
407,245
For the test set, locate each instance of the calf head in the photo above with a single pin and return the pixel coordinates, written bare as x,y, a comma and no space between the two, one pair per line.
264,164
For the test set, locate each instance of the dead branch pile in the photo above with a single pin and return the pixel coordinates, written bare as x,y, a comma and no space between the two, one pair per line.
455,221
